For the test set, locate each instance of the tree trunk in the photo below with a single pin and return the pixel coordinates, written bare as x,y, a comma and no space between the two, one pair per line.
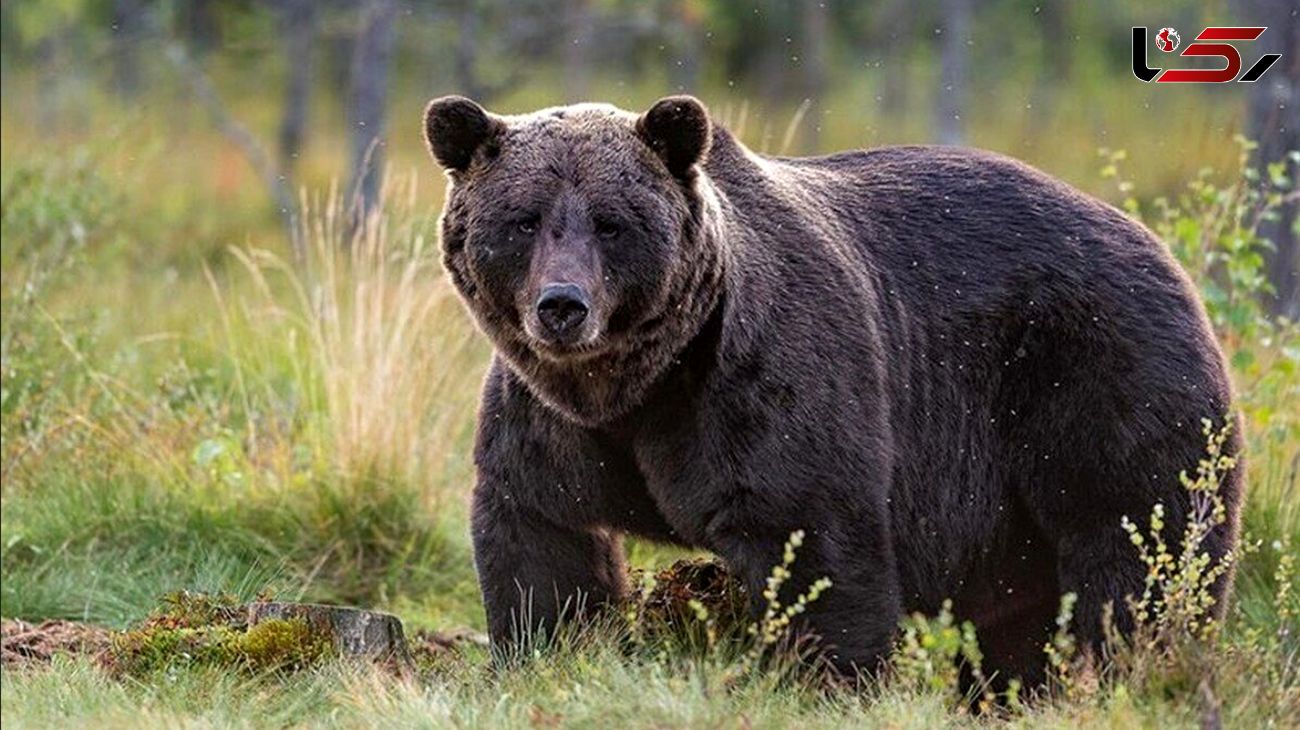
199,20
336,57
1054,30
687,19
1275,124
128,29
472,44
276,182
48,106
893,32
371,56
577,49
355,632
816,29
950,102
298,29
467,45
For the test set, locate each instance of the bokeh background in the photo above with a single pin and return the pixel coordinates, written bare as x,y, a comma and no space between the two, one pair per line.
302,93
231,362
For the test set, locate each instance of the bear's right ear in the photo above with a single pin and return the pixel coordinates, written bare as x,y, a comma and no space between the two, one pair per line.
455,128
679,130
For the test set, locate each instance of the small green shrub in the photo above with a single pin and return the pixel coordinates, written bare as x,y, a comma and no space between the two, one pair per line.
1177,596
774,625
931,651
1062,649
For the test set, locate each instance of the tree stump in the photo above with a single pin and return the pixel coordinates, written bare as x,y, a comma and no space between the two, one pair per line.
355,632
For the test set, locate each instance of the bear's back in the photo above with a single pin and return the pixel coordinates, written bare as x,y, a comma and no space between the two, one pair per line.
953,228
966,268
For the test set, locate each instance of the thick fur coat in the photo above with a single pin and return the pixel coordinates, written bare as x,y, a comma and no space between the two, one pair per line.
953,372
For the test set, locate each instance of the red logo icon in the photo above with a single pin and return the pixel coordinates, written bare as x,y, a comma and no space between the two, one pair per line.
1167,40
1207,43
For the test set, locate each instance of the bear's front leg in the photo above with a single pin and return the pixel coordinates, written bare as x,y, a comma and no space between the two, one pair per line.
852,623
536,574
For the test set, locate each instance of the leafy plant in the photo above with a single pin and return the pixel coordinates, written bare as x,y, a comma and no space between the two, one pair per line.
931,652
1177,596
773,628
1213,228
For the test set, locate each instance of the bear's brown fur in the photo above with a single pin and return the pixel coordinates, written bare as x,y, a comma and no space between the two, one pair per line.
953,372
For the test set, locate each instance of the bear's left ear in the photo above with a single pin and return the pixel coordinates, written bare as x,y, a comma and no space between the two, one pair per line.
677,128
455,128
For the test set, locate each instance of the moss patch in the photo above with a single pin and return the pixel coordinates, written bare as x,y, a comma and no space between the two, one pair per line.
194,629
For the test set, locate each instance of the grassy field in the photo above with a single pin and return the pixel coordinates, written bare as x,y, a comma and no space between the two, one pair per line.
184,408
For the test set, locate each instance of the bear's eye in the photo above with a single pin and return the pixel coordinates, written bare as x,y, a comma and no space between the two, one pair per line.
528,226
607,229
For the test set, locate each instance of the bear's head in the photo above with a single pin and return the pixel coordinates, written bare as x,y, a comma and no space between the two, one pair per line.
583,239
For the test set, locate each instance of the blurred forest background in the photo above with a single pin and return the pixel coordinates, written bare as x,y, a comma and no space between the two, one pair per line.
307,92
230,361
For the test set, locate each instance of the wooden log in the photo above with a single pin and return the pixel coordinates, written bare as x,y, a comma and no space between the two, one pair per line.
356,632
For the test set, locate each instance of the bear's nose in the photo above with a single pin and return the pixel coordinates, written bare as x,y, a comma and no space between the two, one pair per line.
562,307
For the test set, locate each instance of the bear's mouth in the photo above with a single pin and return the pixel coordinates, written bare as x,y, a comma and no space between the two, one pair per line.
565,350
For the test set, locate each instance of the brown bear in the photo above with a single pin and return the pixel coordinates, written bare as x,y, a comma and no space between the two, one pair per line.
953,372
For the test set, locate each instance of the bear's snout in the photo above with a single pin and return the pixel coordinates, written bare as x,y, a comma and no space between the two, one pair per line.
561,308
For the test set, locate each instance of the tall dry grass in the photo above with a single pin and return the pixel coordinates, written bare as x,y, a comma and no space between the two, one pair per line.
389,364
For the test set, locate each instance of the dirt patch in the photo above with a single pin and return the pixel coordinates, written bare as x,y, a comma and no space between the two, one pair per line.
25,644
443,642
446,654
